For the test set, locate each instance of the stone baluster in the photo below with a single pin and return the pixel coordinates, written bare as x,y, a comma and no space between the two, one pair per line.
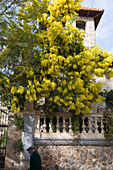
5,120
44,125
96,126
50,126
102,125
2,118
64,126
70,126
89,123
57,125
38,124
83,125
37,127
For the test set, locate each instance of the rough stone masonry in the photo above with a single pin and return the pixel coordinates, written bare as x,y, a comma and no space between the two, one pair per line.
76,157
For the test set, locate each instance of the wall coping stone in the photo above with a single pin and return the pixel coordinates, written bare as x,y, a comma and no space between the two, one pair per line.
72,142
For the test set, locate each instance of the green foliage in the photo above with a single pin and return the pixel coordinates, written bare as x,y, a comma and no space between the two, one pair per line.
3,137
18,146
18,121
8,16
108,122
54,128
109,96
76,120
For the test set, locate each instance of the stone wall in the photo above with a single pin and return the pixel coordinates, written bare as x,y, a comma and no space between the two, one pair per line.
108,83
12,159
76,157
89,35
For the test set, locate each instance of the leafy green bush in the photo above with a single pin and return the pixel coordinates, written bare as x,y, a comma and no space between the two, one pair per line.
108,123
76,120
18,121
3,137
18,146
109,96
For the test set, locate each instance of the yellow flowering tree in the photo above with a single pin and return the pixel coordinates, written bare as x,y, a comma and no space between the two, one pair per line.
45,58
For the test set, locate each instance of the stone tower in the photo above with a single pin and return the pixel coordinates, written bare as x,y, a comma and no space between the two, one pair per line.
88,21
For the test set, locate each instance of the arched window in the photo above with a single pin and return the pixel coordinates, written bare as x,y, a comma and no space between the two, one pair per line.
81,25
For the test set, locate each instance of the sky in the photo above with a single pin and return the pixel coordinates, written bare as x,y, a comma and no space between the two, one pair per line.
104,31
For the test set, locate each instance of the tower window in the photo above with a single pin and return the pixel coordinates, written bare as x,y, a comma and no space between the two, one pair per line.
81,25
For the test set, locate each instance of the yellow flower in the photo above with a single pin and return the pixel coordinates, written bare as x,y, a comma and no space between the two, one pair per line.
61,100
50,99
39,90
53,85
15,99
13,90
31,73
59,89
64,82
20,89
69,87
72,107
56,99
65,91
28,92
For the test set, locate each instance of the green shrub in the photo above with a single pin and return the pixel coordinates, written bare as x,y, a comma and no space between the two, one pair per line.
109,96
76,120
18,146
108,123
3,138
18,121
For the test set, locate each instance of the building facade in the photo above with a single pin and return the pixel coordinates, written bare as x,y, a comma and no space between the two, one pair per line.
60,149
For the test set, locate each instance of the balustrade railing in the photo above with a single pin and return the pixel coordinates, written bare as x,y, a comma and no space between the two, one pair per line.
60,126
92,126
3,116
53,127
3,135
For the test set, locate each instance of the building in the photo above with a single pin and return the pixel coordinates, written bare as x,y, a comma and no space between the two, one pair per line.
59,148
88,21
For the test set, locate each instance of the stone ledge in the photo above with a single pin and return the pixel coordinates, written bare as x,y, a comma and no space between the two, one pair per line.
72,142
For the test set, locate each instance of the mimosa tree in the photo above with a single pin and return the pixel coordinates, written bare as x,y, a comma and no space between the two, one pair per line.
45,58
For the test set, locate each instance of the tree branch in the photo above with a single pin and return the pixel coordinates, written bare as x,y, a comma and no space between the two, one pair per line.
13,2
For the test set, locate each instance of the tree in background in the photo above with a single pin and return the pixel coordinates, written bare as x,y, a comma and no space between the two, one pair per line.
8,16
44,57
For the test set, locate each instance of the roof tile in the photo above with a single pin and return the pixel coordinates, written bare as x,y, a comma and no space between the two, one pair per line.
92,9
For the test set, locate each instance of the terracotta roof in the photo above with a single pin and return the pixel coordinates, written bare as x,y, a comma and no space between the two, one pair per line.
92,9
95,13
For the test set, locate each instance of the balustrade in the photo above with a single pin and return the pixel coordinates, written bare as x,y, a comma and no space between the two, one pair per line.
3,117
91,126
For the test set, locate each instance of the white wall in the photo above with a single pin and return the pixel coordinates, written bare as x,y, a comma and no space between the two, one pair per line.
89,35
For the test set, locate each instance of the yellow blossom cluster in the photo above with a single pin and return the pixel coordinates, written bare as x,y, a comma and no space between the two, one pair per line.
63,10
50,61
20,90
14,108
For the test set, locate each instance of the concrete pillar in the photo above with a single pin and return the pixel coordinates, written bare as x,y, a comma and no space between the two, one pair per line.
27,134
